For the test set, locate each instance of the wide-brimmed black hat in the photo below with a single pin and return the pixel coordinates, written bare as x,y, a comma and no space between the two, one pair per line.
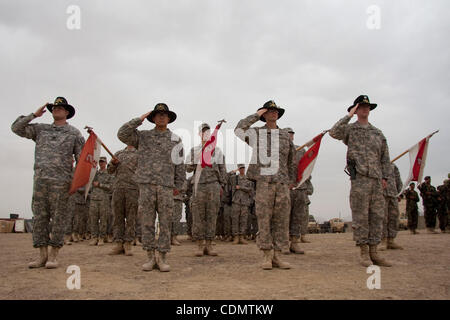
271,105
162,107
61,101
362,99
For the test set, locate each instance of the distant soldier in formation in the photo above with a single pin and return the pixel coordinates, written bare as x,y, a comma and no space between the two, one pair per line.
205,203
391,214
274,176
429,199
100,204
252,224
442,209
412,197
242,194
227,206
56,145
187,207
369,167
124,199
81,216
160,175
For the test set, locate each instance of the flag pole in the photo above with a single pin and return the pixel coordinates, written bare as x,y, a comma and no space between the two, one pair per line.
403,153
309,143
89,130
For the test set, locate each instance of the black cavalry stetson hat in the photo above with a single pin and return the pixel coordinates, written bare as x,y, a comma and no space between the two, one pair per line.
362,99
162,107
61,101
271,105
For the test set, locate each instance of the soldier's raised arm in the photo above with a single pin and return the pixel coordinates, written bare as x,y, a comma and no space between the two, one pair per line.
245,124
128,132
22,126
340,129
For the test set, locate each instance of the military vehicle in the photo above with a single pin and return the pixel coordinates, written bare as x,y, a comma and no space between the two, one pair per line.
313,226
337,225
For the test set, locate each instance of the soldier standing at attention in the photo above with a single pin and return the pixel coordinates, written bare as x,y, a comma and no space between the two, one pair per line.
273,168
429,200
391,213
160,175
369,167
124,199
100,204
242,194
442,206
56,145
205,203
412,197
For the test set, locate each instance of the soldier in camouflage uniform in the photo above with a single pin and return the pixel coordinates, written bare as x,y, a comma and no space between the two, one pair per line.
125,198
242,195
81,216
429,199
56,145
187,205
206,195
100,204
160,175
227,206
175,224
442,209
412,197
391,213
369,166
272,167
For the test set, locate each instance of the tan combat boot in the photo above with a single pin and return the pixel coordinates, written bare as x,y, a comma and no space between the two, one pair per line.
175,241
267,260
109,238
277,263
431,231
93,242
392,245
235,240
209,250
376,259
303,239
163,266
200,248
151,263
242,240
117,249
51,262
383,245
40,262
88,236
67,239
364,258
75,237
101,242
416,232
127,248
295,246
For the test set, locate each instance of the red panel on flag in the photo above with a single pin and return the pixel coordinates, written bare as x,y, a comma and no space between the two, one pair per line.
85,164
309,157
418,161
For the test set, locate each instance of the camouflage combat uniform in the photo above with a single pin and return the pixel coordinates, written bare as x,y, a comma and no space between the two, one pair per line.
81,213
272,199
391,213
157,175
429,200
187,205
367,146
227,204
241,202
412,197
442,210
71,218
125,194
100,204
205,201
55,149
175,224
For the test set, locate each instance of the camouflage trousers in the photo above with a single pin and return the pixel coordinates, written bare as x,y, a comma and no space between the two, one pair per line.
443,217
430,216
71,218
367,204
188,215
272,204
81,218
239,217
49,205
175,225
138,226
413,217
155,200
390,221
227,210
110,219
298,221
205,207
98,215
124,208
219,222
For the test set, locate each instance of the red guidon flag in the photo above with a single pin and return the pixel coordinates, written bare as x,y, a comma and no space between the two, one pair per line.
306,164
209,147
87,164
417,157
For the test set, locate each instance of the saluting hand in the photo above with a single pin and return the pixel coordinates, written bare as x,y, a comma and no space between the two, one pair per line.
353,110
39,112
145,115
261,112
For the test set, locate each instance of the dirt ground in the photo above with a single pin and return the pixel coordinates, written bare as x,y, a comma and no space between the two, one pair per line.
328,270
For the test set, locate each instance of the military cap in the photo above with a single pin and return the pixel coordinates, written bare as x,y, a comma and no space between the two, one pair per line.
427,178
163,108
271,105
363,99
203,126
61,101
241,165
102,159
412,184
290,130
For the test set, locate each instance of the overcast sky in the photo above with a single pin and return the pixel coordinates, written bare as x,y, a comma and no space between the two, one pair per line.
215,59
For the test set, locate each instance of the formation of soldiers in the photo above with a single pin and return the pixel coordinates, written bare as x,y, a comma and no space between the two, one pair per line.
146,181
